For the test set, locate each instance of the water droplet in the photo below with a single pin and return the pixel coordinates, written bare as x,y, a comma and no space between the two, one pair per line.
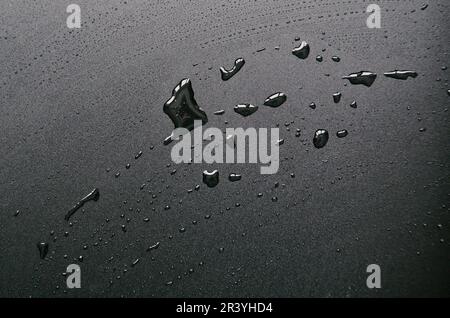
182,108
93,195
320,138
319,58
337,97
245,109
312,105
219,112
138,155
275,100
354,104
361,78
227,74
211,179
336,59
43,249
401,75
153,247
342,133
234,177
302,51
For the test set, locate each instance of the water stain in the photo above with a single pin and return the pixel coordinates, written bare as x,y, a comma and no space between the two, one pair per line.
227,74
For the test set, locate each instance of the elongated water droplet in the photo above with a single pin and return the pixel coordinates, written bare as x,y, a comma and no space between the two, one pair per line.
245,109
219,112
182,108
302,51
342,133
211,179
401,75
275,100
234,177
92,196
361,78
320,138
43,249
153,247
227,74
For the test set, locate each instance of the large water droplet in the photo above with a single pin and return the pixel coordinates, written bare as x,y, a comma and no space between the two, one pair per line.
361,78
302,51
211,179
245,109
182,108
227,74
401,75
320,138
275,100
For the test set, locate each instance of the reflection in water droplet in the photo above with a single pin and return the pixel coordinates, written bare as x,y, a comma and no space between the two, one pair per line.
234,177
43,249
302,51
92,196
245,109
361,78
211,179
275,100
342,133
401,75
337,97
320,138
227,74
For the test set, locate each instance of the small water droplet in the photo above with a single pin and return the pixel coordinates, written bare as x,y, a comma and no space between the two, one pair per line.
342,133
227,74
354,104
275,100
302,51
337,97
336,59
401,75
211,179
234,177
361,78
43,249
245,109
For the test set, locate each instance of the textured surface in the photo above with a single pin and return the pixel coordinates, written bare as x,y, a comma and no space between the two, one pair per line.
78,105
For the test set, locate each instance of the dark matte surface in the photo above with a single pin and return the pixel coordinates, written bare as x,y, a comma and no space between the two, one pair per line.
76,103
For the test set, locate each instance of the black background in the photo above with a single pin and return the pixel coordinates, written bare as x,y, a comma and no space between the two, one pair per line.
76,103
